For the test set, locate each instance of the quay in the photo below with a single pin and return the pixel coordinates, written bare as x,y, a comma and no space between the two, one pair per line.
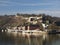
28,31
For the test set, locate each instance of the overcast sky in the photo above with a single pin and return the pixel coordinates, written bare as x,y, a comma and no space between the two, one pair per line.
51,7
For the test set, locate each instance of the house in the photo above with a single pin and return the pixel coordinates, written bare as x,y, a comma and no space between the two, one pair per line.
33,22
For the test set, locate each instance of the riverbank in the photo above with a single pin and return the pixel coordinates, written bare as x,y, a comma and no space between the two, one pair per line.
27,32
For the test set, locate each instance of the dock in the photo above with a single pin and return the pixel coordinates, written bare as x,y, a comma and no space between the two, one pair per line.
28,31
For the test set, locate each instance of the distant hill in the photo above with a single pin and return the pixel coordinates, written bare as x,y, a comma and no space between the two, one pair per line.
17,20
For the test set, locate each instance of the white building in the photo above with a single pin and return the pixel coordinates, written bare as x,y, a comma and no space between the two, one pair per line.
34,20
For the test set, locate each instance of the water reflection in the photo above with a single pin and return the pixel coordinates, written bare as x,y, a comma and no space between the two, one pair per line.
15,38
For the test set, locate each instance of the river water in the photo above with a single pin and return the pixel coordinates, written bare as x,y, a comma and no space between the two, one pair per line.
15,38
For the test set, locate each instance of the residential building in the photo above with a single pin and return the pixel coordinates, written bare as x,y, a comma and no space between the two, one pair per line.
33,21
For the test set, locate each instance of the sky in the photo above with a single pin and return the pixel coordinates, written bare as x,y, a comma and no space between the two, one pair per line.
49,7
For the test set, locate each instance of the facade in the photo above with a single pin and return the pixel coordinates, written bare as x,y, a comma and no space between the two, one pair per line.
33,21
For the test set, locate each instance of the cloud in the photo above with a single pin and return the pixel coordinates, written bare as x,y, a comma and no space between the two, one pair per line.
52,10
4,3
35,4
10,3
48,12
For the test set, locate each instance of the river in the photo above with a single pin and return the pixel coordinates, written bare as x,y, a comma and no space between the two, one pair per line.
25,39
